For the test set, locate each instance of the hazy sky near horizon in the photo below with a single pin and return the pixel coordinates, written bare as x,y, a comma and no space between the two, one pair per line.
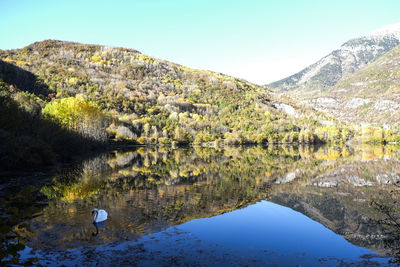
260,41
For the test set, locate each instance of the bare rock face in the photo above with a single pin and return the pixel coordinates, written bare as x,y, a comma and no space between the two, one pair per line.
387,105
356,102
350,57
388,178
289,110
327,102
358,181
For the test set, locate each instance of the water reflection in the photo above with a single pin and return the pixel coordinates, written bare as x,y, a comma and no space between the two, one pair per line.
98,225
289,237
149,189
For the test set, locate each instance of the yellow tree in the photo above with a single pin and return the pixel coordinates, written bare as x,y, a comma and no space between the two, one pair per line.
78,115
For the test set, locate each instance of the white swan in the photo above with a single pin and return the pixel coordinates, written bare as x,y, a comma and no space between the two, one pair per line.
99,215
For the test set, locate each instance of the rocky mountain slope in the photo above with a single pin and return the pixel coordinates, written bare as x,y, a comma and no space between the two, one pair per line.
350,57
371,95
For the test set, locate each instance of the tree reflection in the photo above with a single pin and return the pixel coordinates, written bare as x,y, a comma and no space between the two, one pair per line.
148,189
389,217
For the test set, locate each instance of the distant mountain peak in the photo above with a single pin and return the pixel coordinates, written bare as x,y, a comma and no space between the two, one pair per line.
340,63
391,29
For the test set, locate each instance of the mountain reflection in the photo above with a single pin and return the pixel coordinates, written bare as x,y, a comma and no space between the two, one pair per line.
146,190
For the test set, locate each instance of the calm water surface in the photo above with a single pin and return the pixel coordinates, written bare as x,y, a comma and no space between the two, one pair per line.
206,206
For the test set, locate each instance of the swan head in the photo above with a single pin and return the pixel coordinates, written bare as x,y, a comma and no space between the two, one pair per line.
95,211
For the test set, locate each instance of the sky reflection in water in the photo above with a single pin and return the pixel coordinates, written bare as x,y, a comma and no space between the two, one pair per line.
268,226
154,197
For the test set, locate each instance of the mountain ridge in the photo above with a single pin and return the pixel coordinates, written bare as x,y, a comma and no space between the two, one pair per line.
342,62
374,89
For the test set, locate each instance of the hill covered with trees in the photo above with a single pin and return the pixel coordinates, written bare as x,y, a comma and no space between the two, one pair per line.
104,93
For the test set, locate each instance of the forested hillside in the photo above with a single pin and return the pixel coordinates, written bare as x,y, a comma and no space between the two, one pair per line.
107,93
28,138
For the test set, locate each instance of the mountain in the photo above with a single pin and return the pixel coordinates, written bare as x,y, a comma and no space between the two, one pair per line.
350,57
371,95
108,93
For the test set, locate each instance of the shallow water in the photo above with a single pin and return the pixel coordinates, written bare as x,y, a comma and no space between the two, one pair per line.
325,206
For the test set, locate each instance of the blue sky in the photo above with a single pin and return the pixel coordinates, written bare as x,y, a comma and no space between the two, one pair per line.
260,41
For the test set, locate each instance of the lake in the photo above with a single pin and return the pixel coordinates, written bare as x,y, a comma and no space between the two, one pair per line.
232,206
